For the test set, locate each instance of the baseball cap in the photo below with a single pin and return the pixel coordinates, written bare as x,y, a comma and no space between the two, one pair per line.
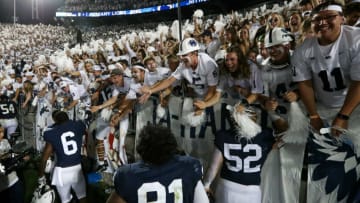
151,49
96,68
11,71
29,73
116,72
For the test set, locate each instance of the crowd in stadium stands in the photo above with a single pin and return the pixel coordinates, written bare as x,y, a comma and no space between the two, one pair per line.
110,5
244,63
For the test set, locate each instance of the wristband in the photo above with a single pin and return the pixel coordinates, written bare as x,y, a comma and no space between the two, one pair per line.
342,116
314,116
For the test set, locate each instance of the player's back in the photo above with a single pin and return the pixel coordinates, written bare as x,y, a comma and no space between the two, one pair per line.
243,158
7,109
66,140
170,182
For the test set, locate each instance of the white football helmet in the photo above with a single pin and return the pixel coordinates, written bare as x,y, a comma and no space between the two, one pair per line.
188,45
44,194
277,36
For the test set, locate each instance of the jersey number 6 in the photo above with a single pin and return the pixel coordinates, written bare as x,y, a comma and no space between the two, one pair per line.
69,145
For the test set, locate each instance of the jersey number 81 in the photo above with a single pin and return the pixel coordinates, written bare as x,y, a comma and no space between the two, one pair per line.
174,187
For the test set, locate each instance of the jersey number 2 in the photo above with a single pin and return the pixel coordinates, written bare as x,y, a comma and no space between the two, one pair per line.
242,164
174,187
69,145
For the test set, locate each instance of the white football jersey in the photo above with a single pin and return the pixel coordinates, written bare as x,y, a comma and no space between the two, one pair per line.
277,81
151,78
206,74
77,91
134,90
331,68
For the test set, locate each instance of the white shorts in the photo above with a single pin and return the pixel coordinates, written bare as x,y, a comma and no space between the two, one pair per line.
10,125
230,192
66,178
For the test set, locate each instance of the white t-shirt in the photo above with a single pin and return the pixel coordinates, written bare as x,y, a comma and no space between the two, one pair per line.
330,73
254,83
116,90
151,78
78,91
206,74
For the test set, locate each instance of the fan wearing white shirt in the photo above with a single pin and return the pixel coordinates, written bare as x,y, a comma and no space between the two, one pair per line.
326,68
198,69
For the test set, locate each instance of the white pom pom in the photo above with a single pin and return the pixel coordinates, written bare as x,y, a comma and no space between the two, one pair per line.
247,128
160,111
199,13
188,115
219,25
194,120
106,114
187,106
175,29
298,125
34,102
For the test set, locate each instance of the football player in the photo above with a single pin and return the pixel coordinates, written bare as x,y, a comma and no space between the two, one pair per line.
8,115
162,175
240,154
65,140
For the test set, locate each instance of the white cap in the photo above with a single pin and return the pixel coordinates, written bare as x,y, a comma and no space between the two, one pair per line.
11,71
29,73
96,68
111,67
151,49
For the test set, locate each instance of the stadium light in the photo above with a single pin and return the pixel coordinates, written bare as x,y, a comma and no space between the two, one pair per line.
14,12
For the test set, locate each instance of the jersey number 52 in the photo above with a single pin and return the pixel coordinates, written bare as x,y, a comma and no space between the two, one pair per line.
242,164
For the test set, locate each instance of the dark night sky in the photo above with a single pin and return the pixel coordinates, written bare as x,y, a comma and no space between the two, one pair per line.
47,10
